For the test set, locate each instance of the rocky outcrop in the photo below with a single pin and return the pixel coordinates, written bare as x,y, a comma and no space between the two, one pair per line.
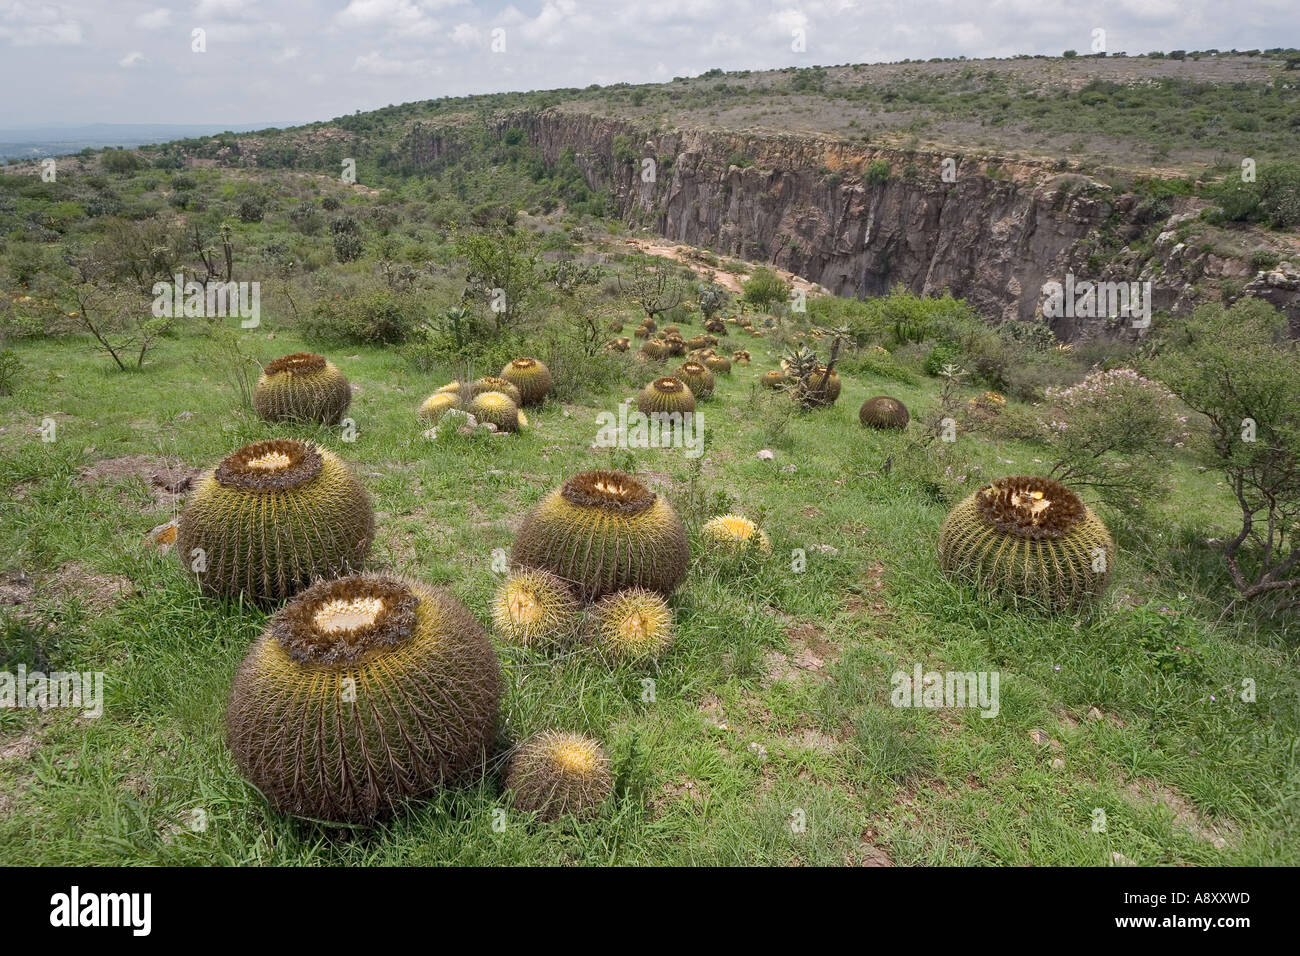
860,221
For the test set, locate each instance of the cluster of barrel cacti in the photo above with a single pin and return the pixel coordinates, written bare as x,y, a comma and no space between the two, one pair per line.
495,400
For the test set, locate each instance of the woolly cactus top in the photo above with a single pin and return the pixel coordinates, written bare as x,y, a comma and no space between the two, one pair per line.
667,384
523,364
341,622
608,490
273,465
1030,507
297,363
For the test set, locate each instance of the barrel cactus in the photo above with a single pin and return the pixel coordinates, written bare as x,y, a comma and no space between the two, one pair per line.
820,389
773,379
883,412
717,364
633,624
1028,539
734,534
491,383
654,349
271,518
531,377
436,405
496,408
535,608
604,530
666,395
554,774
697,377
302,387
364,692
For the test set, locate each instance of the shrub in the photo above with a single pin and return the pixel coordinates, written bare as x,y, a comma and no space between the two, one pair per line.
764,289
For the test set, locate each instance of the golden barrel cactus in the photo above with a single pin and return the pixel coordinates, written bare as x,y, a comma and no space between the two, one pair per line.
884,412
531,377
696,377
302,387
554,774
1028,539
604,530
363,693
271,518
665,396
734,534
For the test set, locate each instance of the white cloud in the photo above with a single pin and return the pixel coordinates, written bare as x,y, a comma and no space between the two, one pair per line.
376,64
131,59
466,35
154,19
38,24
401,17
287,54
223,9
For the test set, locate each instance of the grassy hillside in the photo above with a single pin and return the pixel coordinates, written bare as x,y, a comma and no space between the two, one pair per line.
774,699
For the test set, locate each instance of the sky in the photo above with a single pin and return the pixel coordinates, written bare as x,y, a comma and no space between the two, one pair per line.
295,61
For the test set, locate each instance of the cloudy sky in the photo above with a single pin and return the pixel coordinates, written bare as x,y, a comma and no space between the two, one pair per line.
287,61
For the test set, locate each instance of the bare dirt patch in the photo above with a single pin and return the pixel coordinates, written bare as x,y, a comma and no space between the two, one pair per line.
16,588
166,481
1146,792
19,749
97,591
810,652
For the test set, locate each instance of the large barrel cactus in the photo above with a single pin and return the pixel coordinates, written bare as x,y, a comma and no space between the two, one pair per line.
1028,539
271,518
302,387
602,531
364,692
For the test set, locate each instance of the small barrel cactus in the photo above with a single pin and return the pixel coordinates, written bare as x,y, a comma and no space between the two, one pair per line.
490,383
535,608
302,387
437,405
666,395
1028,539
496,408
555,774
531,377
634,624
883,412
734,534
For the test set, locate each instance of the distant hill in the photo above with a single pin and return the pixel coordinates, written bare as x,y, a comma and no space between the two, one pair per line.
37,142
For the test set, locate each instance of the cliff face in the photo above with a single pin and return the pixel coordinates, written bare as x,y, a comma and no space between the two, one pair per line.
805,204
993,235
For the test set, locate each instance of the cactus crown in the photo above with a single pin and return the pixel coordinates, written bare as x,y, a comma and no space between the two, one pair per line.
296,363
273,465
1030,507
523,363
343,622
693,368
668,384
609,490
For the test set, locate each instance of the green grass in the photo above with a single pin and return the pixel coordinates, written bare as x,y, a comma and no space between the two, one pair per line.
772,707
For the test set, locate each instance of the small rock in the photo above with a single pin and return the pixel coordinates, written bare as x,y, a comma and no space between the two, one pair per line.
1119,859
759,751
162,537
765,454
184,416
1058,764
1039,736
1094,713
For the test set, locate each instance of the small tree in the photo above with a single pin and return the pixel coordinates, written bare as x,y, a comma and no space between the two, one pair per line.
503,272
655,286
1236,367
765,288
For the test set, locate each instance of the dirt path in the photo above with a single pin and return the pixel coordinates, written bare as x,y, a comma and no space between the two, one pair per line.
689,257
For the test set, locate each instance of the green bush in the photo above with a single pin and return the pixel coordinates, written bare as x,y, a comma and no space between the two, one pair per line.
377,317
